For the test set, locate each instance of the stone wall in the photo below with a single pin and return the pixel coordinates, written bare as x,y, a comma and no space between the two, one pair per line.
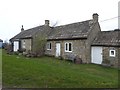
92,34
81,47
78,49
107,59
53,48
26,43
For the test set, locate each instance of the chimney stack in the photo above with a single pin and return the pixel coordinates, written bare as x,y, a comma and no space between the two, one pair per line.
46,22
22,29
95,17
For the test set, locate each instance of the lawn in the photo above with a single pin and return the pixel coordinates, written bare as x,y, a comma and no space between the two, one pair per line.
49,72
0,68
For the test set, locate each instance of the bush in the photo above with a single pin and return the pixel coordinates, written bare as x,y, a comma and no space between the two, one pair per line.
8,48
39,46
60,57
78,60
22,50
16,53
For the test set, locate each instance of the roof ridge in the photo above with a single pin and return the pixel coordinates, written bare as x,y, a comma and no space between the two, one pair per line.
73,23
33,27
111,31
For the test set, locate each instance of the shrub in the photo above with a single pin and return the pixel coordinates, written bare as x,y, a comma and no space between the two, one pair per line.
21,50
16,53
39,46
8,48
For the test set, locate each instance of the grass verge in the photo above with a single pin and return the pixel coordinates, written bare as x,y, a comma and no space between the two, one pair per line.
49,72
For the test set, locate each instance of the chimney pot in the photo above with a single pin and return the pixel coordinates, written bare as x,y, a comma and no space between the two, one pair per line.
22,29
46,22
95,17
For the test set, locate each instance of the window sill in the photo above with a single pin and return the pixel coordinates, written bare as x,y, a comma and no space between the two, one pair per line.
49,49
68,51
112,56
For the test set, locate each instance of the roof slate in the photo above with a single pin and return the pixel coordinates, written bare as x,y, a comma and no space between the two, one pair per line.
30,33
107,38
74,30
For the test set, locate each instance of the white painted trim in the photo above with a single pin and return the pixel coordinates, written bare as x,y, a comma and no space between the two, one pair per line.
68,51
96,55
110,54
49,46
48,49
68,47
58,49
15,46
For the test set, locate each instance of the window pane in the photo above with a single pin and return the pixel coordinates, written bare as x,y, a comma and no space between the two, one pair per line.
50,46
66,46
70,47
47,45
112,52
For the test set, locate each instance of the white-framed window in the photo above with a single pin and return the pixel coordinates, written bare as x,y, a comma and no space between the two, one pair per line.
49,46
112,53
68,47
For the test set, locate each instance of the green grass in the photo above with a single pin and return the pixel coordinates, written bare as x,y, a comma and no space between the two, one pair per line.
0,68
49,72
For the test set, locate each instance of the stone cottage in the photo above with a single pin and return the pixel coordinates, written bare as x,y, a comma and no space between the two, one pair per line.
73,39
66,41
106,48
26,38
82,39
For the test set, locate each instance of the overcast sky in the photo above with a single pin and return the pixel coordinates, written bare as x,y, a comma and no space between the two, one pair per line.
31,13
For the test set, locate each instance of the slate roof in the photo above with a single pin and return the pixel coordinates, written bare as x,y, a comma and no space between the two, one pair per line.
107,38
74,30
70,31
29,33
1,40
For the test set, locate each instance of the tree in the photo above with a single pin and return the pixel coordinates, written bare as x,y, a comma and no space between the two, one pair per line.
39,45
55,24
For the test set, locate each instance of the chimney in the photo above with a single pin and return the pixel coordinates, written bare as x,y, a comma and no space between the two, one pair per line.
22,29
46,22
95,17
